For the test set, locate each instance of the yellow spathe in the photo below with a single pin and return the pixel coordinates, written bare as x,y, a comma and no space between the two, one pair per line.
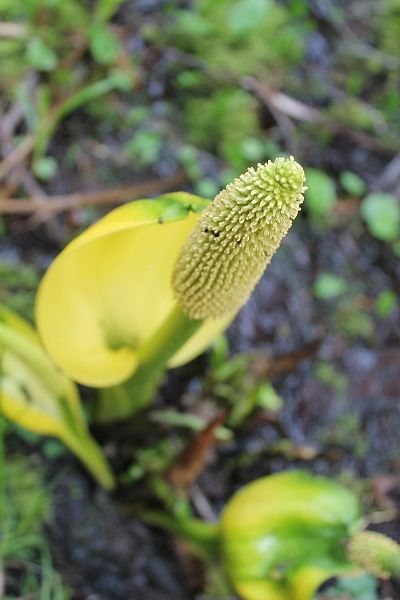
283,535
33,393
110,289
303,585
37,396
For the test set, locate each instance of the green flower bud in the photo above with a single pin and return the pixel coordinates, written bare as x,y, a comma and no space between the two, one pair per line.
283,535
235,239
376,553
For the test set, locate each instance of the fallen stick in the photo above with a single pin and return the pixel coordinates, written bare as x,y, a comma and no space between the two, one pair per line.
55,204
294,109
12,30
16,156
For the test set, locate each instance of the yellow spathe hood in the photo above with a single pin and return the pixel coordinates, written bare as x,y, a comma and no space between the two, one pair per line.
110,289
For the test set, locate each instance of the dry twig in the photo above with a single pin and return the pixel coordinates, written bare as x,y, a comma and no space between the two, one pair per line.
12,30
16,156
62,203
277,101
2,580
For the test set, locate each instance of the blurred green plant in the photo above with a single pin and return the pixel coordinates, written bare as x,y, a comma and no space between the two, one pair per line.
18,284
386,303
352,183
45,66
25,506
320,195
38,397
240,37
220,43
328,286
381,212
234,385
227,124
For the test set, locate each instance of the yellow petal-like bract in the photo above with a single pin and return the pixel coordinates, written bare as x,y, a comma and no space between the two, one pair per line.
37,396
110,290
282,535
33,393
235,239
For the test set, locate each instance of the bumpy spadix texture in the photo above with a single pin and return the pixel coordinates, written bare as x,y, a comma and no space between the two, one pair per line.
375,552
236,237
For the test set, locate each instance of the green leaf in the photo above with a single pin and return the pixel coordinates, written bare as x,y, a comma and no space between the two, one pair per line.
144,147
193,24
381,212
267,397
328,286
37,396
40,55
321,193
253,149
105,9
206,187
385,303
103,45
45,168
245,15
352,183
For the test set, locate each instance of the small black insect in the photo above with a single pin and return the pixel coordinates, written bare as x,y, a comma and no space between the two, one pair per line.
214,232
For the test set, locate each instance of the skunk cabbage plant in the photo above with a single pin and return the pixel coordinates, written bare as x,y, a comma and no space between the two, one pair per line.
110,290
37,396
283,535
151,284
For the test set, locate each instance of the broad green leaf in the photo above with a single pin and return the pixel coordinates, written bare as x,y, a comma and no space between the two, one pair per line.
40,55
321,193
385,303
381,212
328,286
103,45
352,183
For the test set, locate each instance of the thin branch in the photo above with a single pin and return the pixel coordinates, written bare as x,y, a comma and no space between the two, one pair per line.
390,176
301,112
281,102
12,30
56,204
2,580
16,156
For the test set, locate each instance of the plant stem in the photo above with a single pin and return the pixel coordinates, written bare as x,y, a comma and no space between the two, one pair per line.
92,457
3,499
204,536
138,391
